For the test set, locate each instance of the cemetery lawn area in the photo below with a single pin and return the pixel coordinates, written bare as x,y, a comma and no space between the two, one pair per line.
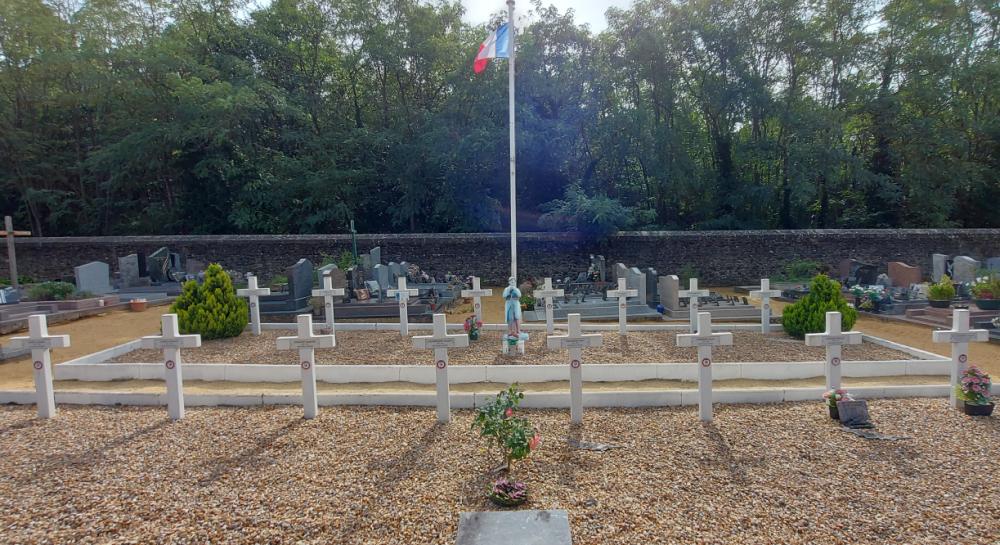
758,474
388,348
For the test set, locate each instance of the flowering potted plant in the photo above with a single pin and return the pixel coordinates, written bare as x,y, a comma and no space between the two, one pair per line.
513,437
472,327
940,295
986,290
832,397
974,391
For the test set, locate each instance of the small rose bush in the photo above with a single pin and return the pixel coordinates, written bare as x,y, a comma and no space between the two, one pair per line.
974,388
833,396
512,435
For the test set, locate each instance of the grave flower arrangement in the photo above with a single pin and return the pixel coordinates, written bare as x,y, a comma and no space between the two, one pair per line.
832,397
974,391
472,327
943,291
513,437
870,298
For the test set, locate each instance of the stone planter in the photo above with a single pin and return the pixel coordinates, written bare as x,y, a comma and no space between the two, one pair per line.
939,303
988,304
977,410
137,305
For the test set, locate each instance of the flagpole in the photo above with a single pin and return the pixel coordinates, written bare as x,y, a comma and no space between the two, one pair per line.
513,149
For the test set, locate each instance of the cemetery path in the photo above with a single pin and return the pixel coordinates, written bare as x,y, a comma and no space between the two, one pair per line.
87,335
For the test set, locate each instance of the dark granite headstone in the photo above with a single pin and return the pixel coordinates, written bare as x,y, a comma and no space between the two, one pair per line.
854,414
300,279
501,527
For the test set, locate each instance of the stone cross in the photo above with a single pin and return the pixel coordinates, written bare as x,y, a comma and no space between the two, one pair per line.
693,294
40,343
307,343
704,339
549,294
402,294
575,341
959,337
171,342
328,293
10,233
833,339
477,294
253,293
622,294
441,341
765,293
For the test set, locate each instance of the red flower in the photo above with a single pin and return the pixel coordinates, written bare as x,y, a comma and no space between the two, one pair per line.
533,442
509,412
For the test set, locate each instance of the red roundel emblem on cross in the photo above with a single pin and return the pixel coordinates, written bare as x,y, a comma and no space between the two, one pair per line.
306,365
706,362
38,365
478,305
401,305
622,305
169,364
963,358
835,362
441,364
575,364
548,306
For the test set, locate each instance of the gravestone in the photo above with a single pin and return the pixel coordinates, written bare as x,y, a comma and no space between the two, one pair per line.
159,264
621,271
324,270
941,266
884,280
854,414
993,264
651,279
965,269
300,279
668,288
395,271
854,272
404,270
903,275
382,276
366,262
531,528
128,268
93,277
637,281
339,278
601,266
376,254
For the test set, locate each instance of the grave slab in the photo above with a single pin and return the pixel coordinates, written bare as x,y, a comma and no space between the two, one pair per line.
531,528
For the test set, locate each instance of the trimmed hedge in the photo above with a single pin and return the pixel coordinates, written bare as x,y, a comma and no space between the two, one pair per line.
808,315
211,309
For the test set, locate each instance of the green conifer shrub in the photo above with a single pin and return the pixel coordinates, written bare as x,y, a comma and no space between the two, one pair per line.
211,309
808,315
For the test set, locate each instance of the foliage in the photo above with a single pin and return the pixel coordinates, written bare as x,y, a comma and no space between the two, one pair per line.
833,396
512,435
51,291
687,272
799,270
278,280
472,326
987,287
974,387
346,260
507,492
944,290
808,315
211,309
869,297
597,217
528,302
22,280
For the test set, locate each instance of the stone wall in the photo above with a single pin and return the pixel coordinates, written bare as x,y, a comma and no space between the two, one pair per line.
720,257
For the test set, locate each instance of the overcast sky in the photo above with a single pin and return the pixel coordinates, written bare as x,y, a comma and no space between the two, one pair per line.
586,11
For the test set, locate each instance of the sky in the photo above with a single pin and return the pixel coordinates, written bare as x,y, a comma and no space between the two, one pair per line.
586,11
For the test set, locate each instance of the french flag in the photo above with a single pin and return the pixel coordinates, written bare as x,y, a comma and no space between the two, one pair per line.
496,46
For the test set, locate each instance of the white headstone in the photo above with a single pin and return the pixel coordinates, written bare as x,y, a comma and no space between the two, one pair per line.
693,294
637,281
833,339
253,293
40,343
965,268
959,336
441,341
622,293
548,293
477,293
93,277
171,342
575,341
704,339
765,293
307,343
328,293
940,266
402,295
667,288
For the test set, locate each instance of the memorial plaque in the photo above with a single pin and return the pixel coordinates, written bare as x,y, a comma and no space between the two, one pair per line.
531,528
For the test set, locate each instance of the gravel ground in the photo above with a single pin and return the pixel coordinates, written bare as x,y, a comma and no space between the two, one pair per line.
759,474
386,347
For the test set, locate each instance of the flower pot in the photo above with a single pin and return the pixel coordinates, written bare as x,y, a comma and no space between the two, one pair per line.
834,412
474,335
977,410
137,305
988,304
939,303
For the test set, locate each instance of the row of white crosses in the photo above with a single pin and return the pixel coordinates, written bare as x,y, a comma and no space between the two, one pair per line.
402,294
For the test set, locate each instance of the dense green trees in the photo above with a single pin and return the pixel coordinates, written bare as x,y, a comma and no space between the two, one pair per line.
206,116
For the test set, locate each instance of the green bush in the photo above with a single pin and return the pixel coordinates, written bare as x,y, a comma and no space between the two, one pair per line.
808,315
51,291
211,309
799,270
943,290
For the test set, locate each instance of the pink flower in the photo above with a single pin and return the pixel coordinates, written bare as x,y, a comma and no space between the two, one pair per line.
509,412
534,441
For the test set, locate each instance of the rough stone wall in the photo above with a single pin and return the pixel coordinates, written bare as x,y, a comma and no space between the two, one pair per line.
720,257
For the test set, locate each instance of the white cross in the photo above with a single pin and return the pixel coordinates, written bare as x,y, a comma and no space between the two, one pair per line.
477,293
253,293
959,336
403,296
765,293
575,341
328,293
171,342
693,294
549,294
704,339
40,342
307,343
441,341
833,339
622,294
